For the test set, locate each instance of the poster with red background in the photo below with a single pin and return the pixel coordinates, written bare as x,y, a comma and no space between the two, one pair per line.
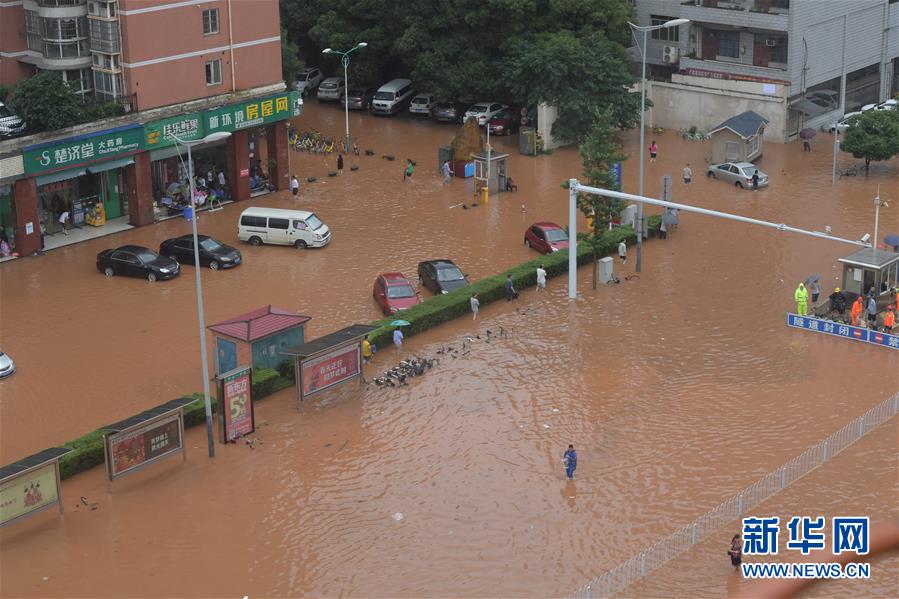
329,369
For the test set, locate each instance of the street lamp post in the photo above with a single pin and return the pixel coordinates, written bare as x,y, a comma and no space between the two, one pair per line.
645,29
201,320
345,61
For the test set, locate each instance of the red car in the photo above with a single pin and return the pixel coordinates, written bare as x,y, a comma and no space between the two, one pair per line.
504,123
546,237
393,292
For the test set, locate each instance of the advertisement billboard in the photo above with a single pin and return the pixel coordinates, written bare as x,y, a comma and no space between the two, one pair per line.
320,372
136,447
84,149
28,493
235,398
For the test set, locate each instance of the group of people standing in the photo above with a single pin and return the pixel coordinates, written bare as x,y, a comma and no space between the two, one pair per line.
863,310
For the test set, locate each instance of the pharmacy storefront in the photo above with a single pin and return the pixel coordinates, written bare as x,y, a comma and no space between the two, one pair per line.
84,177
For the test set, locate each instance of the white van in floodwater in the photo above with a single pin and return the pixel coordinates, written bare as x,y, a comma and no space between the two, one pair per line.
298,228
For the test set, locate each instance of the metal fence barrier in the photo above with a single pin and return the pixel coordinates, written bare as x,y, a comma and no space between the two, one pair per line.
772,483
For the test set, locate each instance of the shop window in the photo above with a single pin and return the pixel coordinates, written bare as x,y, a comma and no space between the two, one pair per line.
211,21
665,34
862,87
214,72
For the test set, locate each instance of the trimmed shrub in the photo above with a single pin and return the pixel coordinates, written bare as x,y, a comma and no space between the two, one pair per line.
87,452
286,370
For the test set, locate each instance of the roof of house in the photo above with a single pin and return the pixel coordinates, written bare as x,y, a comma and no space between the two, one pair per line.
745,125
259,323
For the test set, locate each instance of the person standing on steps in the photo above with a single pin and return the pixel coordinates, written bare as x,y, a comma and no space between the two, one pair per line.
570,459
541,278
294,186
475,306
653,151
340,164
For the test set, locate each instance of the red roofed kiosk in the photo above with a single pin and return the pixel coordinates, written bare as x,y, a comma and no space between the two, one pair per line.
258,338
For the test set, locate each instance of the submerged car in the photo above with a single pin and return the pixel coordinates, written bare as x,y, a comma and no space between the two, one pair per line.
842,124
448,112
546,237
7,366
137,261
738,173
213,253
505,122
441,276
484,111
358,98
393,292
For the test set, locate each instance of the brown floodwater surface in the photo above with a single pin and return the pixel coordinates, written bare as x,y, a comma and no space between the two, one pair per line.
678,387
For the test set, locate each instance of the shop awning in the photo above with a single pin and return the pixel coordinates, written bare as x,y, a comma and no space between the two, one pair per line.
60,176
112,164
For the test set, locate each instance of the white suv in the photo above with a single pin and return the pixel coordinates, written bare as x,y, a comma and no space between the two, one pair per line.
307,80
484,111
331,89
422,104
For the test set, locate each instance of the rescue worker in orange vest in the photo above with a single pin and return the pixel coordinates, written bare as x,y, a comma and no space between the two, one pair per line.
889,320
856,312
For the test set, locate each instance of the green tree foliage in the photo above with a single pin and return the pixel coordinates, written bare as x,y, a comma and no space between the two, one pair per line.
599,151
568,52
290,58
874,135
4,92
46,102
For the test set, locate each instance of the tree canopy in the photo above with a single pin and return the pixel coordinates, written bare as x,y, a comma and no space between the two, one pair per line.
566,52
46,102
873,135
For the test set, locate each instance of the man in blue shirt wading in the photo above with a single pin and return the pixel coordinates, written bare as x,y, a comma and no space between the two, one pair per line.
570,459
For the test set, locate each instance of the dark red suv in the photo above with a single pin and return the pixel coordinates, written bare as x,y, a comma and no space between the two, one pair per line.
393,292
546,237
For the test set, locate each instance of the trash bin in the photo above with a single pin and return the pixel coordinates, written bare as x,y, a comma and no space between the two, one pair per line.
606,269
527,141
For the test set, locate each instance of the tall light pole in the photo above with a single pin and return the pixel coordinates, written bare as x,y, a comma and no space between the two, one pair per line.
645,29
201,320
345,61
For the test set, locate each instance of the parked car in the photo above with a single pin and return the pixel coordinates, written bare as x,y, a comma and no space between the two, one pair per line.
546,237
738,173
422,104
891,104
484,111
299,228
7,366
358,98
843,123
448,112
213,253
441,276
392,97
393,292
137,261
308,80
505,122
10,124
331,89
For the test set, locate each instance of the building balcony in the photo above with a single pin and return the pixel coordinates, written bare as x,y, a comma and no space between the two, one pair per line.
773,15
719,69
106,46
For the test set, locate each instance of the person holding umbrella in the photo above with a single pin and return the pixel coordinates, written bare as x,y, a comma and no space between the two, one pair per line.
806,135
398,334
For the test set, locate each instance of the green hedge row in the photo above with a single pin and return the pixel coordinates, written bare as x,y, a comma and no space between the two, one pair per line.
442,308
88,449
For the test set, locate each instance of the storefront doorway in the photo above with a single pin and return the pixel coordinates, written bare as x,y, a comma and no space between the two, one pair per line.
169,172
92,196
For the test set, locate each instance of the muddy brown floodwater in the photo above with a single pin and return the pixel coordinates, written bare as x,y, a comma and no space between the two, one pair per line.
678,387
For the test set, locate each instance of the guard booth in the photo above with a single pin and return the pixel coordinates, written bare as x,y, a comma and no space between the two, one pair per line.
871,267
497,162
257,338
329,360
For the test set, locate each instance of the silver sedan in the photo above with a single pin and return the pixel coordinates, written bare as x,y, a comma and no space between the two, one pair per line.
738,173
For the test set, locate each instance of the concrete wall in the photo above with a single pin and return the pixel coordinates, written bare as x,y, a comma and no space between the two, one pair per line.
12,44
705,103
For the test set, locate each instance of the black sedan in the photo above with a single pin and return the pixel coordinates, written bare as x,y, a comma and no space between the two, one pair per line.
358,98
448,112
441,276
136,261
213,253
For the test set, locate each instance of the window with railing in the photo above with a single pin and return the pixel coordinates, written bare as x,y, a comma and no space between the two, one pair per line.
60,50
61,3
64,29
104,36
665,34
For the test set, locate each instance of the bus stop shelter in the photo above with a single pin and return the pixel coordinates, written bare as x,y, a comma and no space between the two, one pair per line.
329,360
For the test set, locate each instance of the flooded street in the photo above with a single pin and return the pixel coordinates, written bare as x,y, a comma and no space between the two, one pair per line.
678,387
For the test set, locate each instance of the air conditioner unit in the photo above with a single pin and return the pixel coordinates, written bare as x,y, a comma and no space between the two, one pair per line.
670,54
770,42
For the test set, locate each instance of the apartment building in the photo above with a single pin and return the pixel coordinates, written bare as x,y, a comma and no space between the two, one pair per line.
799,63
143,53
